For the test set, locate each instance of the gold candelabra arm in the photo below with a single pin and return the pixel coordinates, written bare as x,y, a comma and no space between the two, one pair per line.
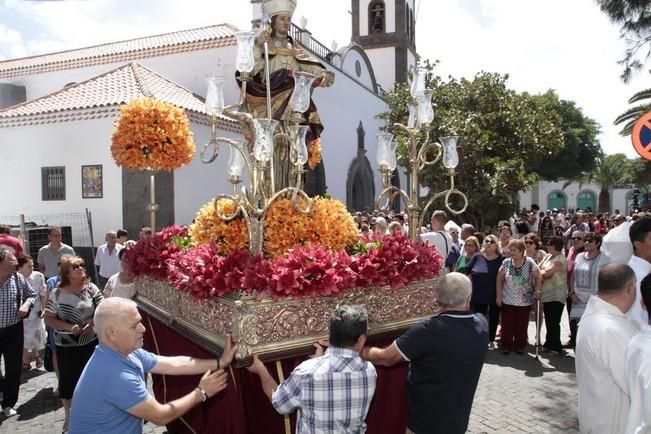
446,194
391,193
422,154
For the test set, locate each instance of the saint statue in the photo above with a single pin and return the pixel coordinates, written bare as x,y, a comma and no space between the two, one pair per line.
285,57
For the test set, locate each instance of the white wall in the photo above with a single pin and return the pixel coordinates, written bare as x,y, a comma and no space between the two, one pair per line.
69,144
348,65
384,65
389,14
572,191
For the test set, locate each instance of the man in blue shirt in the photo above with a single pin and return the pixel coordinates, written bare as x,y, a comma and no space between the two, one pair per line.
331,392
111,395
445,355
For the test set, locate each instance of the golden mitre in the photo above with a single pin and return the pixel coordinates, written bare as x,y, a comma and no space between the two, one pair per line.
275,7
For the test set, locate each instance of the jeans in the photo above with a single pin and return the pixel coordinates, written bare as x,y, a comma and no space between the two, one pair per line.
492,313
553,312
11,349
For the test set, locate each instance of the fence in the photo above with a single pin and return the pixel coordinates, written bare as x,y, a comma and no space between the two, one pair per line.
76,231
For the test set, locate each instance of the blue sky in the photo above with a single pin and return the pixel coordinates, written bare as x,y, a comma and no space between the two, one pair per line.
569,46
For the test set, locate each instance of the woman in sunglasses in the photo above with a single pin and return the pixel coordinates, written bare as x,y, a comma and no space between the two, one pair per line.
532,244
482,270
586,271
70,310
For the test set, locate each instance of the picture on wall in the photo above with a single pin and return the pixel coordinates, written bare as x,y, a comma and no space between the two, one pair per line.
92,183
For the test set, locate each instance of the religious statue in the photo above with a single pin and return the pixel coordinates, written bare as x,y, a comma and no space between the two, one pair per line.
286,56
377,22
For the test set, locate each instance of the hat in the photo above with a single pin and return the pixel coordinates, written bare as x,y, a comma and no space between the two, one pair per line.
275,7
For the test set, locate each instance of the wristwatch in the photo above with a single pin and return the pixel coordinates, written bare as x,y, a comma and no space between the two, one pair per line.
204,395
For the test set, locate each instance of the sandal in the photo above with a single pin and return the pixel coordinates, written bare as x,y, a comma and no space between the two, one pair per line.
39,363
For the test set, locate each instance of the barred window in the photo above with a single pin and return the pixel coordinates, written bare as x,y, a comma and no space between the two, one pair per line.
53,183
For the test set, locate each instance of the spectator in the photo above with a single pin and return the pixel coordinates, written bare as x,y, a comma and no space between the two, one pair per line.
553,271
575,249
640,262
16,300
532,247
145,232
52,283
106,258
506,235
578,225
445,355
33,325
69,312
121,284
395,226
546,229
518,282
111,396
638,370
438,237
600,352
483,269
7,240
471,246
122,236
333,391
379,226
586,273
49,254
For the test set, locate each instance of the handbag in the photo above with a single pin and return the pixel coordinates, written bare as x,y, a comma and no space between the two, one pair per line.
48,364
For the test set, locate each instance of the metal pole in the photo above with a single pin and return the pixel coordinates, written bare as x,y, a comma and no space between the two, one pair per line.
89,220
152,201
23,234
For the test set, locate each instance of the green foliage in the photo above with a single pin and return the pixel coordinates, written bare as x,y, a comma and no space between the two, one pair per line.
581,150
638,172
504,135
634,17
630,117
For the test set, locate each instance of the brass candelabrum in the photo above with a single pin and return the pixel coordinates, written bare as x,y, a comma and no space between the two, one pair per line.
257,155
421,115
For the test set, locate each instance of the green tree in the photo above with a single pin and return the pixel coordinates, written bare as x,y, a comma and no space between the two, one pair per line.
634,18
502,132
611,170
581,148
632,115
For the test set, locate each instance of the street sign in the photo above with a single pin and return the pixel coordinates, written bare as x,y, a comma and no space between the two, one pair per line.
641,136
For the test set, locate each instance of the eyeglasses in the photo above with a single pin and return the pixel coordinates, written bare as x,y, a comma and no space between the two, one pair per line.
588,240
489,242
469,245
529,242
78,266
577,238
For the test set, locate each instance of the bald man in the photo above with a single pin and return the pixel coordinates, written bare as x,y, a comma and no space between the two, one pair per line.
445,355
111,395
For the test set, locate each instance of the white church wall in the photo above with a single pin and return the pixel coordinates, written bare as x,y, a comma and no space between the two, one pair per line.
544,189
383,61
69,144
349,65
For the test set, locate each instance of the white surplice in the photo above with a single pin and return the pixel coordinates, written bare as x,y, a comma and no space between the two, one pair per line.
604,333
638,379
637,315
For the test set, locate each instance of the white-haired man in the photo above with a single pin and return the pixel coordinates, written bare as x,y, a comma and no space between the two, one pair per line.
439,392
107,260
111,395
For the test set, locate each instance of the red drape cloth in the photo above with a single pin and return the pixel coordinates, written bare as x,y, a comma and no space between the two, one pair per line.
243,408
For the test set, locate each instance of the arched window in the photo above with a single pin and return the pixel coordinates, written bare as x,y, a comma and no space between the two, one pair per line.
586,199
556,199
376,17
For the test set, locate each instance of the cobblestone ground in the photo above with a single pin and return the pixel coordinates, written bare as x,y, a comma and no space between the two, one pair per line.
516,393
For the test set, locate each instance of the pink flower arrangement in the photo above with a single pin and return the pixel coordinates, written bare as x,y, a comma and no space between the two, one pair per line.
305,271
148,257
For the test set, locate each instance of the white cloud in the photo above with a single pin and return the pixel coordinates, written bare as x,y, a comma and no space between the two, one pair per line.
569,46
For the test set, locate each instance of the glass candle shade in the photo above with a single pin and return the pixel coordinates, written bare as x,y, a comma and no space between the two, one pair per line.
425,110
413,115
235,162
245,61
263,148
384,148
418,81
450,155
300,100
299,154
215,95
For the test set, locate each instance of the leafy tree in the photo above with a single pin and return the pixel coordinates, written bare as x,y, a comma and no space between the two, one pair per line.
638,173
611,170
502,133
581,147
634,17
632,115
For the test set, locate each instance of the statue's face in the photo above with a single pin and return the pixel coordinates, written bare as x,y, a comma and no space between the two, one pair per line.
282,23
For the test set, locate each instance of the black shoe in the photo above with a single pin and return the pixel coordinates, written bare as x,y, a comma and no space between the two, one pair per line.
519,352
506,352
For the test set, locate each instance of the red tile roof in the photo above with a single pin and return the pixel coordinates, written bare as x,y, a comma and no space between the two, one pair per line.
124,51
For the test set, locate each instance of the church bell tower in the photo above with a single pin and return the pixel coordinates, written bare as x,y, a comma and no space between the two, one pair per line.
385,29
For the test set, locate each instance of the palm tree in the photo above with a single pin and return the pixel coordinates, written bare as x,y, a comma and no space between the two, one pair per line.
610,171
632,115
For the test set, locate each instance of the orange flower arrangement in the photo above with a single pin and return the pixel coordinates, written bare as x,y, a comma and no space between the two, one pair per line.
315,154
330,225
151,134
208,227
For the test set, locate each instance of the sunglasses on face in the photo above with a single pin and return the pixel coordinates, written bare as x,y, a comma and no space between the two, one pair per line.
489,242
577,239
78,266
588,240
529,242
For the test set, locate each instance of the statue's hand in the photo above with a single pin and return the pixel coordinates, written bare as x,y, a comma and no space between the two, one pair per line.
264,36
327,79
